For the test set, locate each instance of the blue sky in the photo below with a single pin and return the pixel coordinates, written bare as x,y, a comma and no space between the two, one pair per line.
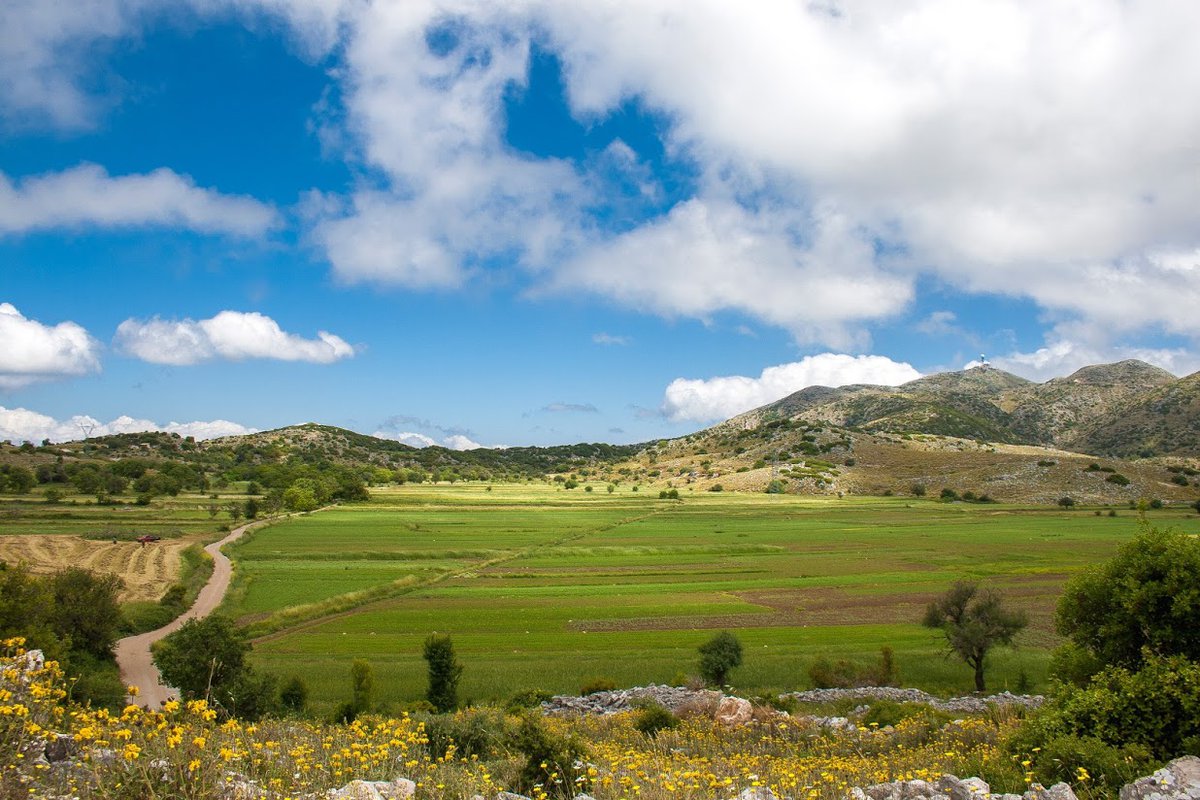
539,222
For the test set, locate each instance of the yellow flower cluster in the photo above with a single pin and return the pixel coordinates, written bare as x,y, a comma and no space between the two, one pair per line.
185,751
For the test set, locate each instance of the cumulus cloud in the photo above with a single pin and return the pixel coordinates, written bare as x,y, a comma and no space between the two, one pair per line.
724,397
455,441
972,141
1061,357
21,424
87,196
34,352
230,335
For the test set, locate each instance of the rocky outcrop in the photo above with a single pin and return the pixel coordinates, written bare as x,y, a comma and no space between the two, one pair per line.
674,697
970,704
1178,780
949,787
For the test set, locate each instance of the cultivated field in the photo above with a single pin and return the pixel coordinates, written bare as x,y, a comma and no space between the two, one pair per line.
544,588
77,532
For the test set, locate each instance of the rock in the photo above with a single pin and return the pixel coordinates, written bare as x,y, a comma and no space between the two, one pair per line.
60,748
584,797
241,789
1059,791
757,793
400,789
510,796
1178,780
734,712
963,788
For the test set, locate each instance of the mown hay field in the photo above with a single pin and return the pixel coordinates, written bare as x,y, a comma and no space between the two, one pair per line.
78,532
545,588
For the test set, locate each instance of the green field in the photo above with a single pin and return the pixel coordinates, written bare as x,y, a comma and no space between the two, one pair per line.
547,589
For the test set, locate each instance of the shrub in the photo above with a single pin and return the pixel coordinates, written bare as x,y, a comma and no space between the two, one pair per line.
1156,503
527,698
546,755
475,733
1180,480
949,495
444,672
718,656
825,673
1118,479
668,494
293,695
1144,599
775,487
888,712
716,487
1066,502
652,718
918,490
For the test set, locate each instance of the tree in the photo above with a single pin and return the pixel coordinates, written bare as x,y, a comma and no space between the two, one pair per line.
204,658
294,694
974,620
444,672
362,685
718,656
1066,502
1144,599
85,610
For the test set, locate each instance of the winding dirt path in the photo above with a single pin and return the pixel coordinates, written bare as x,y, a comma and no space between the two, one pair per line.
133,652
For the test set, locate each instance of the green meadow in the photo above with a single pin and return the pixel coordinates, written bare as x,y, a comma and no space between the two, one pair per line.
546,588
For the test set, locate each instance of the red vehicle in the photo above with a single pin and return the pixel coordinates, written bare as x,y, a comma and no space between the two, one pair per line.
149,537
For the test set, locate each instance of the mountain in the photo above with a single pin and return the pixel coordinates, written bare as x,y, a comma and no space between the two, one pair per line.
1128,408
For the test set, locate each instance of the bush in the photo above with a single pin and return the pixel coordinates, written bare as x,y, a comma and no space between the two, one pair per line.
527,698
775,487
548,757
668,494
1066,502
293,695
888,712
652,718
476,733
1118,479
1144,599
918,490
716,487
825,673
718,656
444,672
949,495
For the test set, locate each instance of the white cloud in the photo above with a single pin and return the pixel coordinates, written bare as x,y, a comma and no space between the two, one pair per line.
708,257
87,196
34,352
1061,357
455,441
725,397
230,335
610,339
21,424
1043,150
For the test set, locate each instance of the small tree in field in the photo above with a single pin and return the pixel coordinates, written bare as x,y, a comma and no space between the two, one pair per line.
974,620
718,656
444,672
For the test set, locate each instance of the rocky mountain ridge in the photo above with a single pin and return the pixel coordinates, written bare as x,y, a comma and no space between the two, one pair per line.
1127,409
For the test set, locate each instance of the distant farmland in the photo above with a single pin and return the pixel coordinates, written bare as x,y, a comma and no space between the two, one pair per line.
545,588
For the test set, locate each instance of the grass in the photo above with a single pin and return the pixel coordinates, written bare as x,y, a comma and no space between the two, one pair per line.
545,588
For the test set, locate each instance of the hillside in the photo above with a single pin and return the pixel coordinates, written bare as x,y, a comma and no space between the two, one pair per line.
1125,409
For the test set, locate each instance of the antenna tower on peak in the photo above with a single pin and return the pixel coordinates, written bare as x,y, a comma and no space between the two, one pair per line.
86,429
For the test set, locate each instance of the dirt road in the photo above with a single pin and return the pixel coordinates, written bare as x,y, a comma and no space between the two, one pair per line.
133,652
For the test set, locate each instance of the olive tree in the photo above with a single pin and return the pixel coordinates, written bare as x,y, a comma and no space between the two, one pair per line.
974,620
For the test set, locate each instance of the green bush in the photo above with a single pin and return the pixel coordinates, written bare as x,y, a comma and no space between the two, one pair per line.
475,733
527,698
718,656
1118,724
888,712
549,758
652,718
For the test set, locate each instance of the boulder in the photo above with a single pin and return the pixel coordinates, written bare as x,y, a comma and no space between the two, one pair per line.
1178,780
734,712
1059,791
